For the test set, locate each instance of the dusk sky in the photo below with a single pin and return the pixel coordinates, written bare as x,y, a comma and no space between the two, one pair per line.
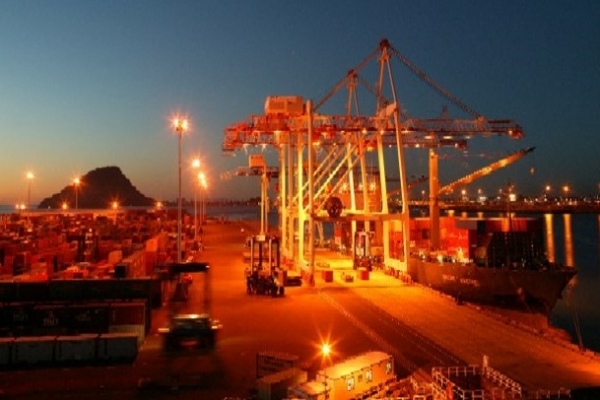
87,84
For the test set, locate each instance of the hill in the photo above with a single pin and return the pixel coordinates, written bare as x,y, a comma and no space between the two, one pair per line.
99,188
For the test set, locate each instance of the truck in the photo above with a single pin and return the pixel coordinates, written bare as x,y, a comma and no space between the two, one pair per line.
190,330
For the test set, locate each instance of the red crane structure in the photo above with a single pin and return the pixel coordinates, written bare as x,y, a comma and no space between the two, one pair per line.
324,159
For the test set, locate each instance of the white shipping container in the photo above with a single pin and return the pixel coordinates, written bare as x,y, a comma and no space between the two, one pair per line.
33,350
76,348
117,346
5,347
357,376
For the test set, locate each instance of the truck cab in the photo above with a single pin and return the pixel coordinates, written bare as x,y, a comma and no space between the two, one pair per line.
190,330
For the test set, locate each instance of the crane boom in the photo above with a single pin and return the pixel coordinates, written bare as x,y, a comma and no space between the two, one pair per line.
465,180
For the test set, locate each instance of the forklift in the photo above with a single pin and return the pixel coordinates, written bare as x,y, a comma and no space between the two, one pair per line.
184,330
264,274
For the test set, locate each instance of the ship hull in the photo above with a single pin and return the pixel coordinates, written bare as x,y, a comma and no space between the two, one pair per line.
532,290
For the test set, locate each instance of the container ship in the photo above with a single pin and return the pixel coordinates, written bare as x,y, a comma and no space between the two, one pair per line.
496,261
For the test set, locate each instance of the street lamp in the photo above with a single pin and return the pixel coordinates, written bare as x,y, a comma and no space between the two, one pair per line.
76,183
203,185
195,166
30,177
180,125
325,353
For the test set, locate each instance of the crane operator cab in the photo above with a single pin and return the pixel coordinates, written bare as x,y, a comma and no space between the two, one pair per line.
264,274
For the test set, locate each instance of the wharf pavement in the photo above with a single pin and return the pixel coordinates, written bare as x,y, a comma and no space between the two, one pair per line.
520,345
533,357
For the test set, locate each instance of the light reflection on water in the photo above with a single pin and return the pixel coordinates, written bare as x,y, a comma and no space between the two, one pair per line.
578,311
549,227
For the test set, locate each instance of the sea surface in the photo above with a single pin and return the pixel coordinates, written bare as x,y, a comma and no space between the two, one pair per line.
573,239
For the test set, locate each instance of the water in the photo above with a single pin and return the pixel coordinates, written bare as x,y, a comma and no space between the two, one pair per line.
571,239
577,238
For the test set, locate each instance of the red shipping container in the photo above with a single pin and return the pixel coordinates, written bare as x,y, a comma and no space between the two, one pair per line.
8,264
151,259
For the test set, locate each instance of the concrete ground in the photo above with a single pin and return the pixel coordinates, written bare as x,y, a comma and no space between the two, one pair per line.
519,345
297,324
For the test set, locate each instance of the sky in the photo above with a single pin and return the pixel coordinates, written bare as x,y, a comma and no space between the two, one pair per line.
88,84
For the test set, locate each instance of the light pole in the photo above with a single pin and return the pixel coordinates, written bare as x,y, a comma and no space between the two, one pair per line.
30,177
76,183
181,126
326,353
195,166
202,183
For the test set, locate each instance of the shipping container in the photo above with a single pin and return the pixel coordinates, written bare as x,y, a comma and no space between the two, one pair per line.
356,377
65,290
89,318
7,291
31,291
31,350
19,318
5,350
49,320
117,347
275,386
7,266
270,362
76,349
137,329
128,313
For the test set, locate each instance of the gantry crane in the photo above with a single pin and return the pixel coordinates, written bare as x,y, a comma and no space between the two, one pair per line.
322,156
435,190
258,167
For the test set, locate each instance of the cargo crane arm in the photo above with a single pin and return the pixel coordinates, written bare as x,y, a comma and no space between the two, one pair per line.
486,170
258,168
